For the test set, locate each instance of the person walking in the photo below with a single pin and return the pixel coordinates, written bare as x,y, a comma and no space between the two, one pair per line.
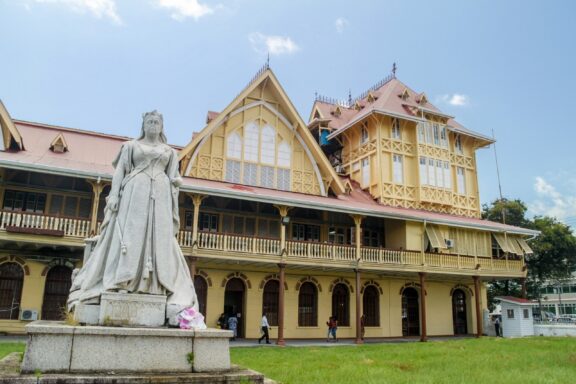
233,325
328,323
222,321
332,328
362,330
497,326
264,327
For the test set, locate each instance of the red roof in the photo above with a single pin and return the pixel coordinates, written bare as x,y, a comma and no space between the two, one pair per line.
512,299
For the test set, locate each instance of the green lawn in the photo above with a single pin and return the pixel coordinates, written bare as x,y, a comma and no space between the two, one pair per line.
487,360
6,348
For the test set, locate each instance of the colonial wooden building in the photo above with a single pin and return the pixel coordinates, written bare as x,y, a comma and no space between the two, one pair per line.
371,208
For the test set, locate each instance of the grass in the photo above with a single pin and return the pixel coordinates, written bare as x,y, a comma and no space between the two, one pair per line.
6,348
487,360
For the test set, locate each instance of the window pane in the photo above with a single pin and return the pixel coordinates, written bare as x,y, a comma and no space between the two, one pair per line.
423,171
70,206
267,177
284,154
232,171
283,179
268,149
365,172
431,173
85,208
234,149
250,173
251,142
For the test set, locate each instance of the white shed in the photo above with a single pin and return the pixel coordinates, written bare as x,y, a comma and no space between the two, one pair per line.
517,320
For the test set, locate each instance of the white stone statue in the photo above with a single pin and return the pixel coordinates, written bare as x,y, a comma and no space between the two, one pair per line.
137,250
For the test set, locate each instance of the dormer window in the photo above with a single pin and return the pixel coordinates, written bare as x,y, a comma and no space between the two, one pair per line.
59,145
404,95
337,112
371,98
422,99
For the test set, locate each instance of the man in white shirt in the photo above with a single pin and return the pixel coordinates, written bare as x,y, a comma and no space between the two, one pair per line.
265,326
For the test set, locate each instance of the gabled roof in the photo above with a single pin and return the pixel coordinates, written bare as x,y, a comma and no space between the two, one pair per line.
59,140
391,103
267,76
514,300
10,133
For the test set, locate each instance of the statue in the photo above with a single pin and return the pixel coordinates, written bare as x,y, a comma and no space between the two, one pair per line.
137,250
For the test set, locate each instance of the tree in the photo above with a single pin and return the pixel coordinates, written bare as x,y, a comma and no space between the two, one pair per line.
554,249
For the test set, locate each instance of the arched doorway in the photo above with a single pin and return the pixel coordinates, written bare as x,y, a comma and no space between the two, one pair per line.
11,280
341,304
459,312
308,305
234,302
270,301
56,290
371,306
201,288
410,313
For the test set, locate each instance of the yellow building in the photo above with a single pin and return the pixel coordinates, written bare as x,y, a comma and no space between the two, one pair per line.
371,209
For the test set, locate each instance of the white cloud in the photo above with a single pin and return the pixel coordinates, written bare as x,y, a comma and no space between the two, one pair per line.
456,99
183,9
550,202
98,8
341,24
275,45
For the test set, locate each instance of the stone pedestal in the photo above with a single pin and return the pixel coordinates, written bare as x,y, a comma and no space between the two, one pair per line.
132,310
59,348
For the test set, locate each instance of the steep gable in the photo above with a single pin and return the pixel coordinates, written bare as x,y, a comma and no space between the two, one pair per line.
259,139
11,138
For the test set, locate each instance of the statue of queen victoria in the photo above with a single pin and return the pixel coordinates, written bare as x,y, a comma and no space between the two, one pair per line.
137,250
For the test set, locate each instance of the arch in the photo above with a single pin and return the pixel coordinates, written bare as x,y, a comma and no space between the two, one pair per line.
205,276
57,262
234,146
201,287
284,120
410,312
11,282
311,280
371,283
459,312
371,305
239,275
412,284
307,304
341,304
17,260
341,280
235,302
270,301
56,290
469,292
273,276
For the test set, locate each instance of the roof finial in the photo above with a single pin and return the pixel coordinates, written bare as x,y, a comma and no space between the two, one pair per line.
349,97
394,69
268,60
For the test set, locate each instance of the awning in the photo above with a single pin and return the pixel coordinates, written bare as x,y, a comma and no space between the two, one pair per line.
435,236
503,243
524,245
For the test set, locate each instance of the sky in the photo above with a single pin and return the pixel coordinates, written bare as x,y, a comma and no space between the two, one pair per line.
500,67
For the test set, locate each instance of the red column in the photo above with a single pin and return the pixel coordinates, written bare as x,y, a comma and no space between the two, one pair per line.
280,340
478,313
358,310
423,334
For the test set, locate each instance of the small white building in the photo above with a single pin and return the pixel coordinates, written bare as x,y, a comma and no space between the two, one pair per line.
517,320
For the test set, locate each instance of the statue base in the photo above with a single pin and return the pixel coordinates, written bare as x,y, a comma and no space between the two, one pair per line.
54,347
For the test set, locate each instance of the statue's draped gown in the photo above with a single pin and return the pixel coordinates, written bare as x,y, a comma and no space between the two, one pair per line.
137,250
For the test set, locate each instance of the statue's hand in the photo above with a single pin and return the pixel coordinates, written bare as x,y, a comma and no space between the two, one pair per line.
112,203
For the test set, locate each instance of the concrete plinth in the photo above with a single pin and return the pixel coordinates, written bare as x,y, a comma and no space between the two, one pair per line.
129,309
59,348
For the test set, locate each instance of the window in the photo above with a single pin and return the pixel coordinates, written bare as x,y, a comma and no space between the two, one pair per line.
250,173
436,134
305,232
337,235
458,145
267,177
307,305
443,137
371,306
365,172
268,149
233,171
460,177
398,169
421,133
439,176
431,173
270,301
364,134
423,171
341,304
284,154
370,237
251,142
355,166
526,313
396,129
447,175
234,146
510,313
283,179
201,287
208,222
268,228
11,280
56,290
24,201
429,133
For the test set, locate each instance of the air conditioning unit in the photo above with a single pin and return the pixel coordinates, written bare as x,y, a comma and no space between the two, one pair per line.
449,243
29,315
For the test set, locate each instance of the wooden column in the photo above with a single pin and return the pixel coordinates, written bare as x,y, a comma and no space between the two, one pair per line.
358,309
283,210
97,188
192,266
358,235
423,334
280,340
197,201
477,302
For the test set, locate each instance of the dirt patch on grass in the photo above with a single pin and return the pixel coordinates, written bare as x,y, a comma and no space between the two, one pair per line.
405,367
572,358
